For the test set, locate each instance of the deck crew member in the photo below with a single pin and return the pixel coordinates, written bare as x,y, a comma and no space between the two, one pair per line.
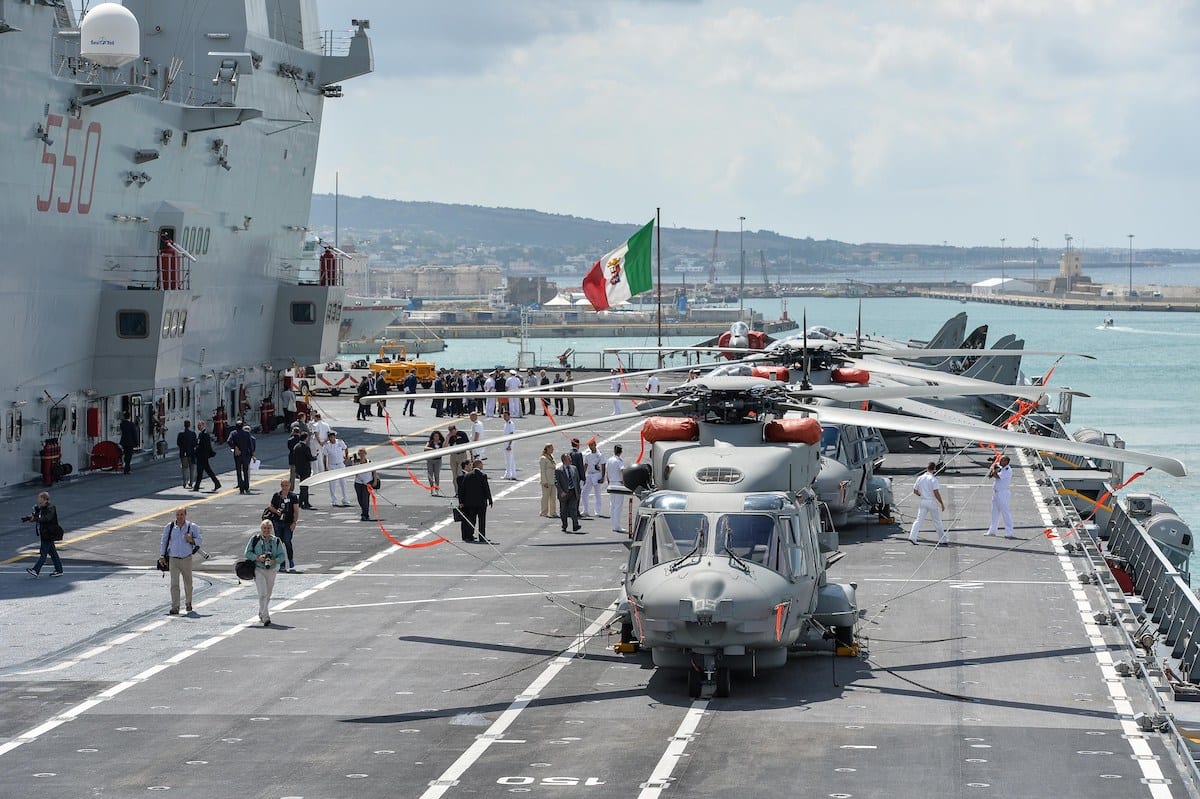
335,452
1001,473
929,490
593,473
614,385
612,477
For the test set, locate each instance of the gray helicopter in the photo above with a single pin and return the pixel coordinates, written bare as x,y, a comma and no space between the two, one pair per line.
728,565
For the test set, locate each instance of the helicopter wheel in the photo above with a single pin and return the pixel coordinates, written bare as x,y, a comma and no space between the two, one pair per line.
724,682
695,680
626,632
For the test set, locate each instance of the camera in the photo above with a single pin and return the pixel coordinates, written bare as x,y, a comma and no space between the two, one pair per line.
27,518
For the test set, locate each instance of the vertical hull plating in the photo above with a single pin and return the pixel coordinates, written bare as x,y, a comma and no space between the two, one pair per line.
208,139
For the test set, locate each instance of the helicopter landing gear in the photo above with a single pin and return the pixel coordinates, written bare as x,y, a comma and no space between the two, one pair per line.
706,679
628,644
724,682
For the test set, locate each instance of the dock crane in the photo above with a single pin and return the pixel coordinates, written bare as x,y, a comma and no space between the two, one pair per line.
762,259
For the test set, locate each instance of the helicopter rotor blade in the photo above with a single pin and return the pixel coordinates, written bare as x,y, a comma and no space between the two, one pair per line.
995,435
680,407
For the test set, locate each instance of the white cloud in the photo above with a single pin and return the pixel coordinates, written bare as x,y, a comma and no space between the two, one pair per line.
907,121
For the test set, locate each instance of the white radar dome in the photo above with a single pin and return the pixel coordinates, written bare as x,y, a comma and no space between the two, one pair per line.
109,35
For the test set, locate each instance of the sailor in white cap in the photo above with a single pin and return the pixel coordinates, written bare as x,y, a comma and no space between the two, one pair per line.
512,384
334,454
614,385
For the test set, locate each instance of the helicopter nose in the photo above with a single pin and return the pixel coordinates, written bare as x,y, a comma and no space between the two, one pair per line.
706,589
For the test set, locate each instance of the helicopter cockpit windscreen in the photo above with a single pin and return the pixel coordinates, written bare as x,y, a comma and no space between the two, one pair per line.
830,435
677,534
751,537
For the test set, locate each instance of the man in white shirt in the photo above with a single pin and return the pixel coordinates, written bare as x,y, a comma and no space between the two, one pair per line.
593,468
1001,472
489,388
317,441
478,453
334,455
614,385
612,476
929,490
510,454
513,384
652,384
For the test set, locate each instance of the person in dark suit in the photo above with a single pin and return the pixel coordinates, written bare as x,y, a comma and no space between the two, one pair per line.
301,459
241,444
566,480
204,453
474,498
129,439
410,394
186,442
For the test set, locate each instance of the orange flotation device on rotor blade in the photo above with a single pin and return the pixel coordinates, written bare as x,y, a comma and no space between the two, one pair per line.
779,373
793,431
670,428
847,374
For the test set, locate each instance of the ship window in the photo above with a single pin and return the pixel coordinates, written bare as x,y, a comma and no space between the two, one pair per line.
8,428
304,313
133,324
182,321
166,329
187,238
204,244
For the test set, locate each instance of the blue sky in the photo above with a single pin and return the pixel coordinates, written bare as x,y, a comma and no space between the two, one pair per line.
888,121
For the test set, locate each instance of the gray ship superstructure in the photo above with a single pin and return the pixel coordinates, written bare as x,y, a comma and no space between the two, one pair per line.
153,212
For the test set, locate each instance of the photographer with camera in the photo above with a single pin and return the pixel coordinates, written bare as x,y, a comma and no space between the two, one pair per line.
180,539
266,550
45,519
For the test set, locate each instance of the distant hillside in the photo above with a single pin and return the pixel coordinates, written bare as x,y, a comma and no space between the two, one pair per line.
499,227
474,225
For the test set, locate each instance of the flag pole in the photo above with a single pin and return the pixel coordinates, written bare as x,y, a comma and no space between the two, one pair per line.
658,224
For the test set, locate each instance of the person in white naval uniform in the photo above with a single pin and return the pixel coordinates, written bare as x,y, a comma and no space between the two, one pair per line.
513,384
1001,472
510,453
612,476
929,490
614,385
593,467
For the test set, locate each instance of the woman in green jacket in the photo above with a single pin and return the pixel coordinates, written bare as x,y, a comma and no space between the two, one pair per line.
266,550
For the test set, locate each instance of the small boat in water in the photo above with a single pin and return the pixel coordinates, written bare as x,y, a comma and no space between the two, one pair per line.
1108,321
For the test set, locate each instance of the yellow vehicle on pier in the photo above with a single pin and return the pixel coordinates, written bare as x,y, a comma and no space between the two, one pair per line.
396,368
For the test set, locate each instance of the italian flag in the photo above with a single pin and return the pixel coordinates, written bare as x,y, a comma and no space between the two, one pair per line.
622,273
